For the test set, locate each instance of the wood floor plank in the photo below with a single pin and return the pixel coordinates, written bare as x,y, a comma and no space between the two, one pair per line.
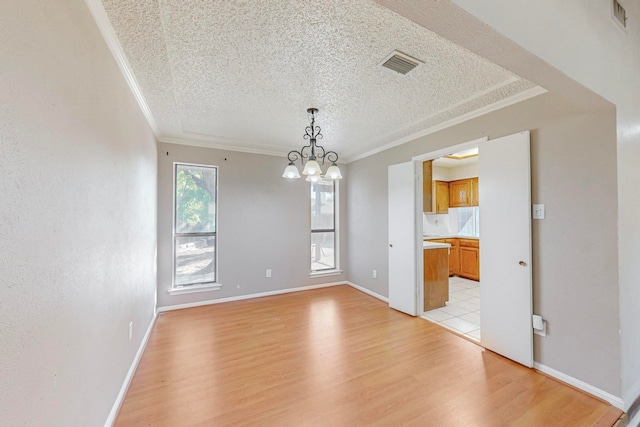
335,356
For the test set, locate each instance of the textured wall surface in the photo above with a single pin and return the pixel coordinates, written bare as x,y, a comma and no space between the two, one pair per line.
263,223
573,165
77,218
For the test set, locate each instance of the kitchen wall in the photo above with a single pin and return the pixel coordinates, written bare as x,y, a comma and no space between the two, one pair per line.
575,263
77,218
435,224
452,174
263,223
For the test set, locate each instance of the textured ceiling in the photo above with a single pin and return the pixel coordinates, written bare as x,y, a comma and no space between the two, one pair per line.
241,74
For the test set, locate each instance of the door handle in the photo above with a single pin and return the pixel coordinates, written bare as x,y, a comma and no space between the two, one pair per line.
390,245
522,263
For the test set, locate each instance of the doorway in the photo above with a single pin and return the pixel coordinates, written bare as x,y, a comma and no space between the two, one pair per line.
505,266
451,215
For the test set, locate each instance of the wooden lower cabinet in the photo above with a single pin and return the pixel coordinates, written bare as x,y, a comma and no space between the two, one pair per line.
469,263
464,257
436,279
454,257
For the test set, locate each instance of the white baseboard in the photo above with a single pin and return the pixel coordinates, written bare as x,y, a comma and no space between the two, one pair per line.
132,370
630,398
249,296
368,292
581,385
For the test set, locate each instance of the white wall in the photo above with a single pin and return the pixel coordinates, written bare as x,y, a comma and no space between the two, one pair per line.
574,49
582,41
263,223
575,257
459,172
77,218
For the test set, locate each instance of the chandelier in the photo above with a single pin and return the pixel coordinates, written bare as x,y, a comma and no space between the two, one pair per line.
309,155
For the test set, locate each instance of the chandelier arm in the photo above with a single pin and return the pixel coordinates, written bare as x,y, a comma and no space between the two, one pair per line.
331,156
322,151
295,155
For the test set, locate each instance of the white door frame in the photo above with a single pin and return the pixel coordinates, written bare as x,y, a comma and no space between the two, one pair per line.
432,155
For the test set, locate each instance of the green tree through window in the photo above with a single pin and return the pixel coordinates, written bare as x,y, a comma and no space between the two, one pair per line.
195,225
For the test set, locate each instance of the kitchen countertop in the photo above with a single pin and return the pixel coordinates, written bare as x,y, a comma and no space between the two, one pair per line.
449,236
435,245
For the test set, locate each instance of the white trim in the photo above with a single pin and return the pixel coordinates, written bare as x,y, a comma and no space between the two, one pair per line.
522,96
368,292
221,146
175,290
193,289
325,273
635,421
249,296
104,25
132,370
432,155
588,388
635,395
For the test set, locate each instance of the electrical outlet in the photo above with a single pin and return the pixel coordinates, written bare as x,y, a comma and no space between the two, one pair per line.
375,274
130,330
269,272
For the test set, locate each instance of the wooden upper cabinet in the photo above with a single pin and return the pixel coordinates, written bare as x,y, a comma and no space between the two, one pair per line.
475,200
435,194
463,193
460,193
427,187
441,199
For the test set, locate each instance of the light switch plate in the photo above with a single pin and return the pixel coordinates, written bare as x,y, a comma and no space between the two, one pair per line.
538,211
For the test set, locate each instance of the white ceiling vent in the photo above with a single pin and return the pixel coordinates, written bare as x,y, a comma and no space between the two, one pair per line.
619,14
400,63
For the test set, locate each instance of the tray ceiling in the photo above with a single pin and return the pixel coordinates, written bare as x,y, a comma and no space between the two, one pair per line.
241,74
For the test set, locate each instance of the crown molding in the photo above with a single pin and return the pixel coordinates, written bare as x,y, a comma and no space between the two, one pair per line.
106,29
522,96
221,146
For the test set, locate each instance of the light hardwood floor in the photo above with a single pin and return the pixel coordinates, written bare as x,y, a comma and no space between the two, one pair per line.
335,357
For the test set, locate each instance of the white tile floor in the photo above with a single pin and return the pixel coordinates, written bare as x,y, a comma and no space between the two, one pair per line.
462,312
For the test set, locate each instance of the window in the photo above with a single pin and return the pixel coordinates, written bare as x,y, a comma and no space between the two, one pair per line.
194,231
323,226
469,221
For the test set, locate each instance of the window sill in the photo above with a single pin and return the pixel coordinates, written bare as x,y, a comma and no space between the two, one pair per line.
195,289
325,273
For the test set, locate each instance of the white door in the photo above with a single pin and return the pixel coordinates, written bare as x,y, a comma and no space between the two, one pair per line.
505,247
402,238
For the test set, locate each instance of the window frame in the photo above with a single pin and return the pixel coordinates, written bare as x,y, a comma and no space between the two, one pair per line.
205,285
335,230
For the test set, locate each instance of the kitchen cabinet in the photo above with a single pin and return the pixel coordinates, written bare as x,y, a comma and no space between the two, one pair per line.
427,187
436,278
454,257
469,254
463,193
474,192
460,193
441,199
464,257
435,194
